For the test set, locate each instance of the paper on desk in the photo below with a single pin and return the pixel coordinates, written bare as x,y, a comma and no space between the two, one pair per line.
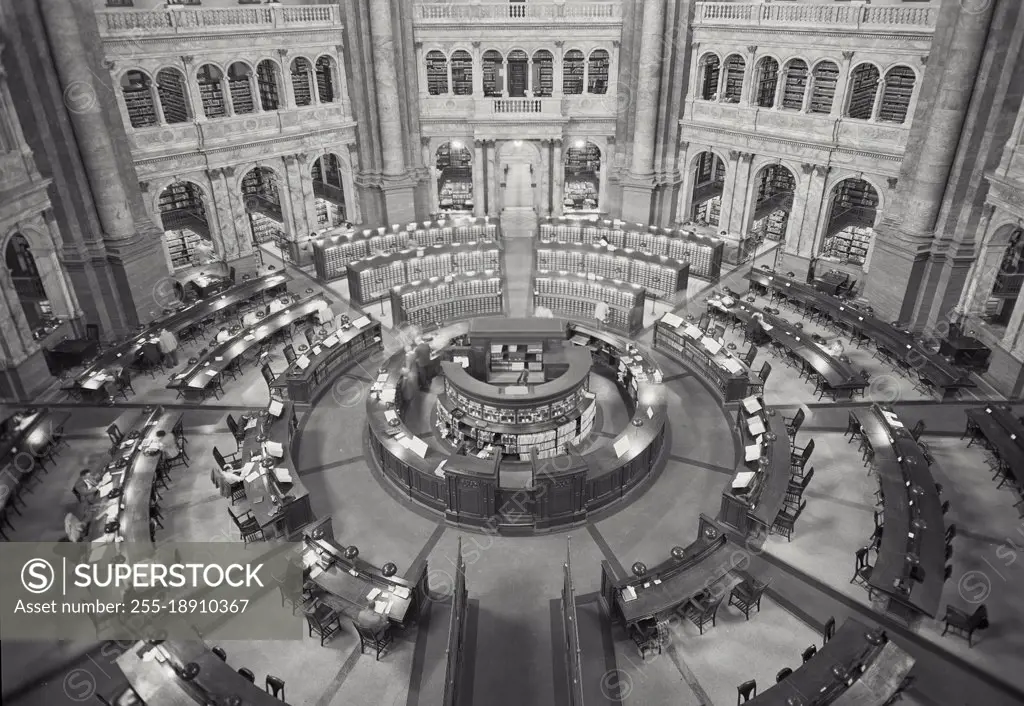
105,489
126,444
210,373
330,341
383,377
672,320
752,404
390,415
622,446
252,476
628,594
250,337
711,345
742,480
755,426
182,376
274,448
732,365
752,452
361,322
373,594
380,607
283,476
250,424
275,408
317,350
400,592
302,362
387,396
692,331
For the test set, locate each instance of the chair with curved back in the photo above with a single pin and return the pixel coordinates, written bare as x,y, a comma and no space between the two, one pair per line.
746,691
782,674
964,624
275,686
809,653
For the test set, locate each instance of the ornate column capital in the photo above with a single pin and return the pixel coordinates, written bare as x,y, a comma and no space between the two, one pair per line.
734,154
339,48
751,48
892,181
560,43
418,45
616,43
424,142
747,156
821,170
282,53
302,157
476,45
109,64
214,172
807,167
290,160
187,59
848,55
144,186
229,171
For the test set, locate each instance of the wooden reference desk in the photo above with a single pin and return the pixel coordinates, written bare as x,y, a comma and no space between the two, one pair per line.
70,353
704,567
131,475
330,355
933,366
111,362
752,509
196,378
839,375
1006,434
285,518
686,344
814,682
831,282
28,433
910,498
157,684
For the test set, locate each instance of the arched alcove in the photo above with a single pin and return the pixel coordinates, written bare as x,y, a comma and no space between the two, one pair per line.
543,73
28,285
171,87
329,191
302,81
137,90
183,210
774,189
211,90
708,184
454,164
240,87
582,177
262,198
851,222
268,82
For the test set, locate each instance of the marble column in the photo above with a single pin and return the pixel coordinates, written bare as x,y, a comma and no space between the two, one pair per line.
798,212
342,85
287,94
816,214
398,186
557,70
982,275
493,180
1013,339
638,186
558,189
219,217
749,77
479,208
239,217
842,86
478,72
58,244
195,100
732,168
738,217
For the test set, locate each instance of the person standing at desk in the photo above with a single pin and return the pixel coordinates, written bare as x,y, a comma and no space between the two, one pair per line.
601,313
422,352
168,346
86,488
167,445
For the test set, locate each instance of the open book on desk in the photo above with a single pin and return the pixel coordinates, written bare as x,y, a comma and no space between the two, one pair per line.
275,408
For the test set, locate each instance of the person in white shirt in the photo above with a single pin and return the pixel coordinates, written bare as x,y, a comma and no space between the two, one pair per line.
168,346
74,528
223,335
601,312
168,444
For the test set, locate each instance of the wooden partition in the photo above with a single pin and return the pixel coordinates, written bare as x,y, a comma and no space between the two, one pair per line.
453,695
570,629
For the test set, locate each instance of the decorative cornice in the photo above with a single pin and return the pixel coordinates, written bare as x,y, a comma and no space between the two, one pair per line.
766,139
734,154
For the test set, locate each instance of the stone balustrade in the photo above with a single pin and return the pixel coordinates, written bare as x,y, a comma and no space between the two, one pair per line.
527,12
190,20
856,17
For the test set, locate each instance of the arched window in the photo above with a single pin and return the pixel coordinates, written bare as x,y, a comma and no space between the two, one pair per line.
582,177
863,89
767,82
543,74
851,222
302,81
494,80
211,90
262,198
795,85
735,67
515,64
170,85
240,85
710,71
267,82
823,87
899,88
186,229
454,164
572,73
597,72
138,96
328,191
462,73
325,80
437,73
28,285
773,202
708,186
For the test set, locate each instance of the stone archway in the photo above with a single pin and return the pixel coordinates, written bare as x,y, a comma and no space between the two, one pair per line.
519,174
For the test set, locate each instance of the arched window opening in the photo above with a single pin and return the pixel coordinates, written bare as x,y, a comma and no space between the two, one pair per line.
735,67
328,191
863,89
543,74
302,81
708,185
899,88
517,76
138,97
711,70
266,81
262,198
437,73
823,87
211,90
240,85
598,71
28,285
1002,298
186,228
462,73
170,84
773,202
325,80
494,79
454,164
582,177
851,223
767,82
572,73
795,85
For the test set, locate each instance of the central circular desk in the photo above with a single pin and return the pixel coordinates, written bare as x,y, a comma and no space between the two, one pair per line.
515,449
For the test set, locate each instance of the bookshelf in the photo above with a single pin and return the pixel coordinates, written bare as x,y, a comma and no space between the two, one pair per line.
543,74
241,95
324,80
712,69
708,211
462,73
823,89
659,274
447,297
577,295
180,246
300,71
329,214
492,64
768,80
733,88
572,73
849,245
173,97
690,351
135,87
437,73
211,91
264,228
899,88
863,87
795,86
854,206
597,72
266,82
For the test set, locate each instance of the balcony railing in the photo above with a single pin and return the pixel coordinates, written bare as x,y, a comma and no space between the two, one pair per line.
448,12
1007,283
185,20
503,106
729,14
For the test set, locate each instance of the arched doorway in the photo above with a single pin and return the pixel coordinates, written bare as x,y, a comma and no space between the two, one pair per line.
708,181
186,228
582,177
518,171
517,73
28,285
454,164
851,222
775,186
263,204
328,191
1008,262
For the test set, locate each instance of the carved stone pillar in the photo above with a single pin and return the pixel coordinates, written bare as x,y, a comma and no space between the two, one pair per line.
220,217
493,182
749,76
75,310
195,98
739,218
287,94
342,87
842,86
798,213
984,269
16,341
817,213
240,224
478,72
557,69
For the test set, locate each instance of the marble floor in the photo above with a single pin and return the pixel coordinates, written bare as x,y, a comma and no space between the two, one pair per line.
515,654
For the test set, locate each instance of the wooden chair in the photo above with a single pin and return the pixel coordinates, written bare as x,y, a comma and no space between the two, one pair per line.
809,653
249,529
918,429
377,641
853,428
829,631
862,570
747,595
748,358
746,691
782,674
275,686
795,490
963,624
785,522
645,636
224,461
289,354
799,458
323,621
236,431
701,613
794,423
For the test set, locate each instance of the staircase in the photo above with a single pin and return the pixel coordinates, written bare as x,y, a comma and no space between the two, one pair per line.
518,222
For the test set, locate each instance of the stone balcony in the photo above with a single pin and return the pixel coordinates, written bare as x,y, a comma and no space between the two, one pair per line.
862,18
518,14
487,109
183,20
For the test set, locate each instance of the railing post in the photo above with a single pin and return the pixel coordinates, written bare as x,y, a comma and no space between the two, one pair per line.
861,12
276,18
172,16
